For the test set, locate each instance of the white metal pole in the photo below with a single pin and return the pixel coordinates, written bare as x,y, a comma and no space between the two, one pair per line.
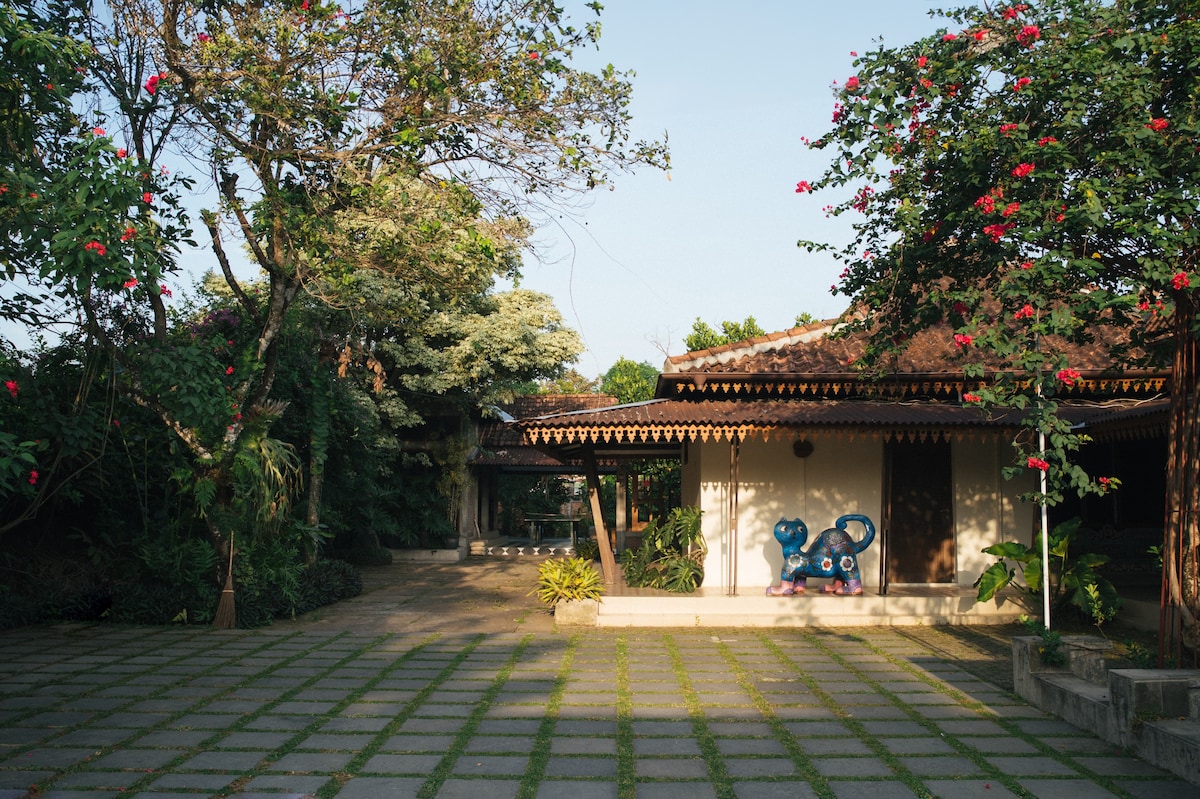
1045,539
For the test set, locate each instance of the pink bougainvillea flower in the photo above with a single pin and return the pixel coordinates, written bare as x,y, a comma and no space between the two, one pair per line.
203,38
1028,35
1022,170
33,477
1021,84
130,283
1178,281
152,84
968,397
96,246
1037,463
13,387
163,290
1068,377
963,340
1025,312
803,186
1158,124
129,233
1042,142
852,83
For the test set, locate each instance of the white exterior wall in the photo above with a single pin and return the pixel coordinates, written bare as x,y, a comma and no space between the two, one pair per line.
841,476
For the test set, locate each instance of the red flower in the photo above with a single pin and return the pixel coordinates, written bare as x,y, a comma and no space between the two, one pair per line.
1144,305
1010,13
963,340
147,198
13,387
33,477
921,62
970,397
163,290
986,204
1068,377
1028,35
803,186
1159,124
152,84
997,231
1021,84
949,37
1022,170
97,246
1037,463
1178,281
229,370
1026,265
1008,128
122,152
1025,312
852,83
203,38
534,55
1042,142
130,283
97,131
129,233
1011,209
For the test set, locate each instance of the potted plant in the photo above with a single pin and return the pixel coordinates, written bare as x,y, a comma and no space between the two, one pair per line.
572,587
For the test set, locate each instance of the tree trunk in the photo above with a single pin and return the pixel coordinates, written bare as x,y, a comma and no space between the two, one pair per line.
1179,607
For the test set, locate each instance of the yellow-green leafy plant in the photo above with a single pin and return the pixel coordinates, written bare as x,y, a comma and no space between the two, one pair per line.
567,579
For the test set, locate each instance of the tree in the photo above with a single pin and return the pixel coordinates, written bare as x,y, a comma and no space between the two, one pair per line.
1028,177
630,381
704,337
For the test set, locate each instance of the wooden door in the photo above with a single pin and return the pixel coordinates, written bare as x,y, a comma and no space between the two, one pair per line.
920,512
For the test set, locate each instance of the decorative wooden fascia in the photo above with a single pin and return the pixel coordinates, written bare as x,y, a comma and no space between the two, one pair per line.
700,432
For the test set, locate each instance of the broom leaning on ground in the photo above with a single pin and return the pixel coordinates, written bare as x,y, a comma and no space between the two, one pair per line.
226,616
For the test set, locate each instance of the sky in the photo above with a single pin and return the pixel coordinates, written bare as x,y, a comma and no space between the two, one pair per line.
735,86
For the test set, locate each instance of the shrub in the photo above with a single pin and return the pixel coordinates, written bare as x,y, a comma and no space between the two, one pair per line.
566,580
325,582
671,556
587,548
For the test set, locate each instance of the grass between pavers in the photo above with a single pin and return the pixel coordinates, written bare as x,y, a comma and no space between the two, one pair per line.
688,681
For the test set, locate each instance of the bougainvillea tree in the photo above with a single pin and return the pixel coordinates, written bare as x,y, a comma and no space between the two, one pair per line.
1028,175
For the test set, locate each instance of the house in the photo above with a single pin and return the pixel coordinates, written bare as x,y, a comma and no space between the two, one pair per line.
785,425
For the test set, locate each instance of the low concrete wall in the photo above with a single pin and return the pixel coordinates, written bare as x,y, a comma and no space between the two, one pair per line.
429,555
1154,713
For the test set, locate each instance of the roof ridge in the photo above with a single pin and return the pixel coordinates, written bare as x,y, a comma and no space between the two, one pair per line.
726,353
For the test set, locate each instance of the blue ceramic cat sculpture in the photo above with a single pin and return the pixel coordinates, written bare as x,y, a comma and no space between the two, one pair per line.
834,554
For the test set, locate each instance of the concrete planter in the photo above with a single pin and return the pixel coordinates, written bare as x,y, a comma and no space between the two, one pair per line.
577,613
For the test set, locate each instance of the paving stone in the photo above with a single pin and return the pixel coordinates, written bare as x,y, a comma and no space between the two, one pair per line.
851,767
269,722
1006,745
674,790
401,764
940,766
649,727
805,729
1030,766
308,784
1123,767
92,737
918,746
1065,789
58,759
491,764
1159,789
409,743
557,789
760,767
466,789
138,758
740,729
499,744
570,766
746,746
200,782
252,740
774,790
508,727
368,724
676,768
585,727
1081,744
430,725
206,721
834,746
349,742
228,762
970,789
883,789
393,788
320,762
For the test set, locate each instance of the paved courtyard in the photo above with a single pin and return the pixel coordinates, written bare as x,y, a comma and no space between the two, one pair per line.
95,711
